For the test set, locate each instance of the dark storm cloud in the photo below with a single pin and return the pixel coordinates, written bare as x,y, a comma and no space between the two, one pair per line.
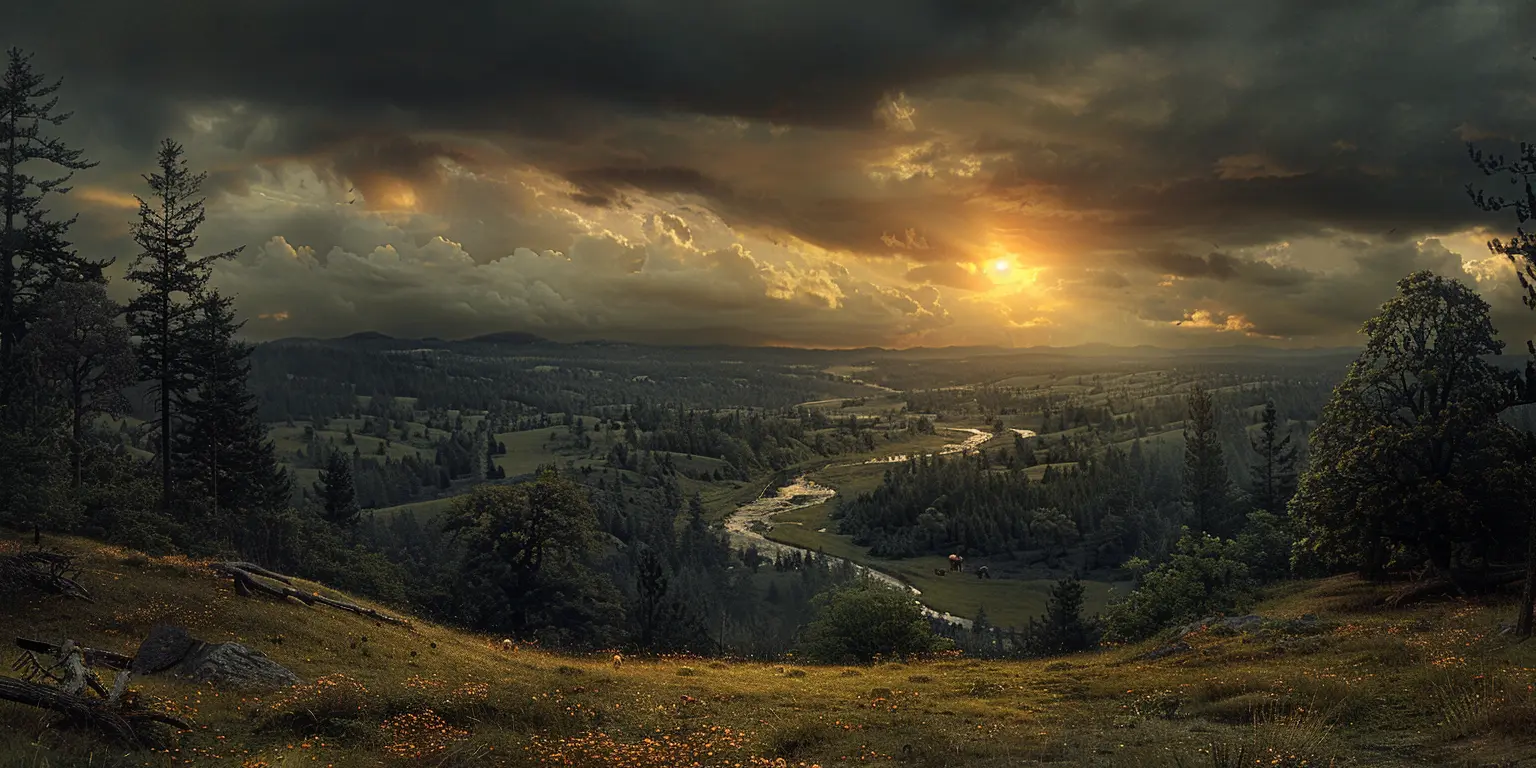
603,186
1220,267
794,61
1357,109
950,275
1111,143
874,227
1216,266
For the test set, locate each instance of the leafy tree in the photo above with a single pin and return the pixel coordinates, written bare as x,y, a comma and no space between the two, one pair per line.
224,460
33,252
527,567
337,492
1207,486
864,620
169,279
1274,474
83,353
1410,459
1521,252
1206,575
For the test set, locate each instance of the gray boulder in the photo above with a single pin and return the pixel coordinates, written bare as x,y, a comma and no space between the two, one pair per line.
235,666
165,646
171,650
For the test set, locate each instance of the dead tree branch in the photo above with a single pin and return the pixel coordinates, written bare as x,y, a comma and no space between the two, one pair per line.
50,572
248,580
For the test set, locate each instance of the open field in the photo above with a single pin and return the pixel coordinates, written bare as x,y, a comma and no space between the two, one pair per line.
1429,685
418,508
1008,601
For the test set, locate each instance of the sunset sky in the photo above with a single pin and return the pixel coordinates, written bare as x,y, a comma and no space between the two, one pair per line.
808,172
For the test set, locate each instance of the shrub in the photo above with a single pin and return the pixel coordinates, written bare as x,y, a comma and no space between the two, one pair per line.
865,620
1205,576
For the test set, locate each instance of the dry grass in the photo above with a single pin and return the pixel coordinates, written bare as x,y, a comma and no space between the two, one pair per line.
1430,685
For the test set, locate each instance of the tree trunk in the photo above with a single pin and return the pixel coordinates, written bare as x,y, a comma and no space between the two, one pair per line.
77,434
167,371
1528,599
9,245
1375,565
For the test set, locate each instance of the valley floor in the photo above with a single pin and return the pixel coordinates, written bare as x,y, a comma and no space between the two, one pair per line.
1434,684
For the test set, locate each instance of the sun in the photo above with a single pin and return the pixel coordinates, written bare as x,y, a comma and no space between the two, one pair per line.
1001,265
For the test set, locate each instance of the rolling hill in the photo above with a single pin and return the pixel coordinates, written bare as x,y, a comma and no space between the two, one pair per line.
1434,684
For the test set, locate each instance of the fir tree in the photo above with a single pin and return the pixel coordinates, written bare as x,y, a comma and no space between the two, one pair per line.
1065,630
1206,483
1274,475
84,355
34,256
33,252
337,491
223,457
169,277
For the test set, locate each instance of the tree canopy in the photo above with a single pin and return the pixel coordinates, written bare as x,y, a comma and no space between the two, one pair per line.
1410,460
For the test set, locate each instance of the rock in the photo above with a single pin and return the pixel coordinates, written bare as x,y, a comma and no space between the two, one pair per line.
1171,649
1243,623
234,665
1225,625
165,646
172,650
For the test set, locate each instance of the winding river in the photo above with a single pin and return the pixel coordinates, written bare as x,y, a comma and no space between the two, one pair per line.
744,524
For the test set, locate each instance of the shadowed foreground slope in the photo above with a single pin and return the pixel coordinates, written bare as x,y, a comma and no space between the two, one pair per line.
1430,685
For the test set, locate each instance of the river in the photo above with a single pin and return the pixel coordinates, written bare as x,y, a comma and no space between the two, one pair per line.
803,492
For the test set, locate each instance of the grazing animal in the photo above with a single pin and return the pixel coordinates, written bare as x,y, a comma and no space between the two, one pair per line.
618,660
956,563
506,644
983,573
940,572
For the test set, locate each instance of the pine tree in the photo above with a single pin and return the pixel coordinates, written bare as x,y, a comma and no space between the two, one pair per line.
1206,483
84,355
1274,475
33,252
34,255
1064,630
163,313
337,491
223,457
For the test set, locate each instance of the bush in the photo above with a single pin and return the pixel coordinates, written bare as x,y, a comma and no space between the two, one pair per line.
864,620
1205,576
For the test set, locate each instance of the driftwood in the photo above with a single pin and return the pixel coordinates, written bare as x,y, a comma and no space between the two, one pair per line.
116,712
125,724
93,657
248,581
50,572
1455,584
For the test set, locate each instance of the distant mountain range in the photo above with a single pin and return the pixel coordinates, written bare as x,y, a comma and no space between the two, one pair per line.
1098,349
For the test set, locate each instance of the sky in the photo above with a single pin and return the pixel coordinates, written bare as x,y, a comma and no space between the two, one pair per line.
801,172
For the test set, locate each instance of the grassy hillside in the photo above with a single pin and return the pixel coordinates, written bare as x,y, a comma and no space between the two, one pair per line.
1430,685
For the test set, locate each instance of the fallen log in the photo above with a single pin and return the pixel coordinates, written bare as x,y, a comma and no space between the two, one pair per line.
50,572
1454,584
248,581
126,725
93,656
260,571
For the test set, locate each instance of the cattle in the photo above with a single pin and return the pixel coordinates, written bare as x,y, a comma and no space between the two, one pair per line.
618,660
